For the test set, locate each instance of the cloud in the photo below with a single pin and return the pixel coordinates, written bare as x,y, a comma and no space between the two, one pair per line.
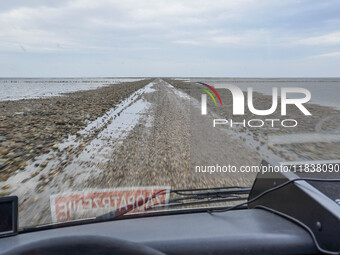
325,39
102,25
328,55
251,38
161,31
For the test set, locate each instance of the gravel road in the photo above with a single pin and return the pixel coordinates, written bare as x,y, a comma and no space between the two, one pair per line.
170,141
154,135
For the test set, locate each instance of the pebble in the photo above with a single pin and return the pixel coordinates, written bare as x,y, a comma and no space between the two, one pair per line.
36,173
43,164
42,177
4,151
46,150
60,122
3,193
7,186
11,155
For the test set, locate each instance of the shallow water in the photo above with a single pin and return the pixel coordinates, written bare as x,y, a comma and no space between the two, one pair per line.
325,91
27,88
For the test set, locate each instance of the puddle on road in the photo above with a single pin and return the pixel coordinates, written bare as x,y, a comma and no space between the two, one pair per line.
100,148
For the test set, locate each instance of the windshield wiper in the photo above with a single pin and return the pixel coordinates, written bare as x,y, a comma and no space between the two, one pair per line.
186,197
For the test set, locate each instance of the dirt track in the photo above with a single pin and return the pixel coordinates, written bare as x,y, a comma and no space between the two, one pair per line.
170,141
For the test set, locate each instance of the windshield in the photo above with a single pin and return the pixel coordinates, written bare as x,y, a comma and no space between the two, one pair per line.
133,106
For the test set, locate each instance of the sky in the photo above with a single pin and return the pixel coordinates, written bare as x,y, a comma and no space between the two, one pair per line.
181,38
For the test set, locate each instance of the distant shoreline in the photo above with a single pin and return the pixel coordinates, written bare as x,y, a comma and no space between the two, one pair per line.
21,89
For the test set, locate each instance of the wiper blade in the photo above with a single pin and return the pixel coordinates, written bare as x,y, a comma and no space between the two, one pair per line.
186,197
213,192
201,202
130,207
214,188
